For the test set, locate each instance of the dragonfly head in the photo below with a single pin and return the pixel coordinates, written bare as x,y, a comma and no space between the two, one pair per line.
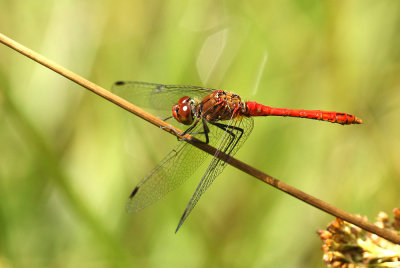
183,111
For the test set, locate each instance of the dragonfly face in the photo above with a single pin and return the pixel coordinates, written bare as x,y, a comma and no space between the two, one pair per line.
183,111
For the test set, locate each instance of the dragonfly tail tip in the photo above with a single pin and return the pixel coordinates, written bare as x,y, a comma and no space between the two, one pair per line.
358,120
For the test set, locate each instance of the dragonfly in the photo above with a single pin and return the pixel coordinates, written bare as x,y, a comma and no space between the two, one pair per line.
216,117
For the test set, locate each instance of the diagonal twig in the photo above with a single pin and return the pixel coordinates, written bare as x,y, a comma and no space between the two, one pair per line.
388,235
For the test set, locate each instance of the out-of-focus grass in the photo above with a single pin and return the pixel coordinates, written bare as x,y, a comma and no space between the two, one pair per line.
69,159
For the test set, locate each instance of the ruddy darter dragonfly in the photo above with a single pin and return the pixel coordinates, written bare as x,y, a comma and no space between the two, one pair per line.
216,117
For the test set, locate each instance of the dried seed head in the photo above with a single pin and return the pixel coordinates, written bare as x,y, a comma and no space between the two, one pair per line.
348,246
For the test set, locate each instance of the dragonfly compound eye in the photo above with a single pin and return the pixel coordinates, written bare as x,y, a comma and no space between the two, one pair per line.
182,113
185,99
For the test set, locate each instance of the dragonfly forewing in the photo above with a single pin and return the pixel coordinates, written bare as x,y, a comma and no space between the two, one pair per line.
157,97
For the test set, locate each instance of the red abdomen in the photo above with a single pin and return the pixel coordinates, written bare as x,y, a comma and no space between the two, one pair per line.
256,109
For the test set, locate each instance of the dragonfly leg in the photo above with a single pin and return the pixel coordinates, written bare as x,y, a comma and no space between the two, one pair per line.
205,131
169,117
229,129
173,129
181,134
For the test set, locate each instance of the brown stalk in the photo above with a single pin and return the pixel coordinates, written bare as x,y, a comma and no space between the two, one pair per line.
388,235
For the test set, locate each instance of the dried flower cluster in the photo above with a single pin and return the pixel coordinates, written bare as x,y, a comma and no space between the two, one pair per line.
348,246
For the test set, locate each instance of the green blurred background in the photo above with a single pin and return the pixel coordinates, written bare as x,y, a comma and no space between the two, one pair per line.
69,159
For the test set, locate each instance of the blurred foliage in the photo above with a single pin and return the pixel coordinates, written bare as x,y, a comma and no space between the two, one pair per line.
69,159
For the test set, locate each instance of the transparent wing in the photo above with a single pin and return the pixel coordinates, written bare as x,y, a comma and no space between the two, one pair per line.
157,97
169,174
235,134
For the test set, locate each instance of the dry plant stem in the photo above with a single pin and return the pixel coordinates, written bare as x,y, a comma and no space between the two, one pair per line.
391,236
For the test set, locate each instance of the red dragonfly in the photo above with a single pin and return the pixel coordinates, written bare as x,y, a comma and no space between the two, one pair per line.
216,117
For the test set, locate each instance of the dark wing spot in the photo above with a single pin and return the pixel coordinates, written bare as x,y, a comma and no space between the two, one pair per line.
119,83
159,88
181,221
134,192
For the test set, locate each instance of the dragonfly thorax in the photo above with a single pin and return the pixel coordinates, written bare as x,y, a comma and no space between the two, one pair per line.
183,111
